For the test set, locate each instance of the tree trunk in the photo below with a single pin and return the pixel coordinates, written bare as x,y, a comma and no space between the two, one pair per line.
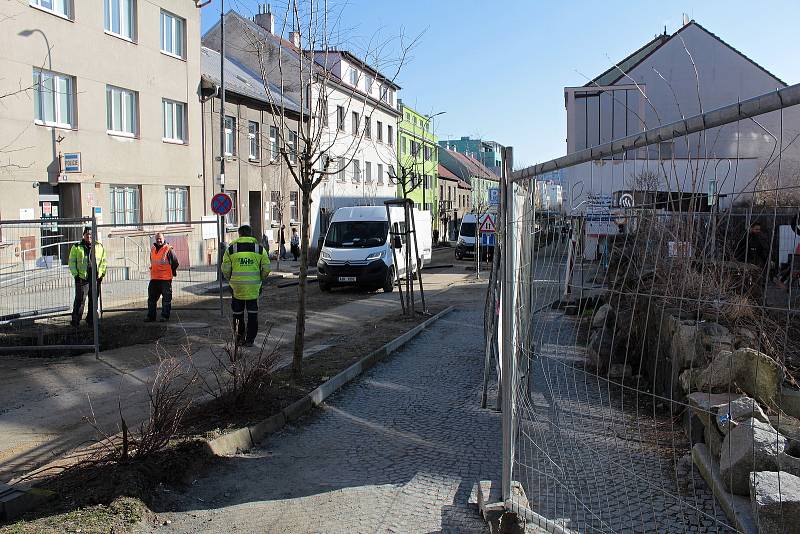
300,327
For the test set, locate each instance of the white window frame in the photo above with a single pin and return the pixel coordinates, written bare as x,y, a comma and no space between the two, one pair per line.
356,177
174,107
355,121
340,118
367,172
353,76
125,15
274,154
230,135
380,131
254,142
368,84
294,211
173,194
114,97
368,126
380,173
291,143
65,4
131,210
58,98
176,25
341,174
390,134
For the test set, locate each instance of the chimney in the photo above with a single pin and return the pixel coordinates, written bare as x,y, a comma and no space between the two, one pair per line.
265,19
294,37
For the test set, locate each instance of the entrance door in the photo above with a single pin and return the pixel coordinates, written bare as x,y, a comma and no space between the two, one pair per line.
50,237
255,213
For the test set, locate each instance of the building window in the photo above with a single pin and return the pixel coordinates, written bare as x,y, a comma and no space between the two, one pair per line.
426,182
230,135
292,142
273,143
293,206
275,206
54,98
414,148
403,145
390,135
252,136
340,118
174,121
177,203
368,83
125,204
356,171
384,93
367,172
355,123
341,169
325,167
380,131
59,7
428,153
380,173
232,218
122,110
368,127
119,18
354,77
172,34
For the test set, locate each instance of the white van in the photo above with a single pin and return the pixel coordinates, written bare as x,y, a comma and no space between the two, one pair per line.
467,234
357,249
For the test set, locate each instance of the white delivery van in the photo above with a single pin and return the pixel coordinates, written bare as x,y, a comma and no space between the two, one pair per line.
357,249
467,234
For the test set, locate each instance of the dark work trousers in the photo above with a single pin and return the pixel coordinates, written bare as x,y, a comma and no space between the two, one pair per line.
156,289
83,289
238,306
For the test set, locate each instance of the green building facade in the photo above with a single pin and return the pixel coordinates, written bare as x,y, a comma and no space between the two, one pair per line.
418,160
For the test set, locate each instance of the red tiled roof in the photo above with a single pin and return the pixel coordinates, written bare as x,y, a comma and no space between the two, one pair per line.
444,172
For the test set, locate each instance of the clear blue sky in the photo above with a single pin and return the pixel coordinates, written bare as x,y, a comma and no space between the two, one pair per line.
499,68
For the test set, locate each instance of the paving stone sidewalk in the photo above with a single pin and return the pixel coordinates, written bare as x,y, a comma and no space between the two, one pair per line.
399,450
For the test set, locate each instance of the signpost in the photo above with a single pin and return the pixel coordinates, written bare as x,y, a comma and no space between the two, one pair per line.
488,230
494,196
72,162
221,204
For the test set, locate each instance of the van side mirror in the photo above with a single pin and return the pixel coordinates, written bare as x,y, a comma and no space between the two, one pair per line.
398,243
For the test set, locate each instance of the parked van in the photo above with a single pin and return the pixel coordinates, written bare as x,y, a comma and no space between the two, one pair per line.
467,233
358,250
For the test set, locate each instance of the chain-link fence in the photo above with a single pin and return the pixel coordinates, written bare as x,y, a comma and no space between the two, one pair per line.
649,335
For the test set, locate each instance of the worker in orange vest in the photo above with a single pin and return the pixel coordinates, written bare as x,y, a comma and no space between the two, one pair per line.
163,268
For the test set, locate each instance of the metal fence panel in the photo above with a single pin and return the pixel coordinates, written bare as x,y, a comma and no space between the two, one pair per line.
650,337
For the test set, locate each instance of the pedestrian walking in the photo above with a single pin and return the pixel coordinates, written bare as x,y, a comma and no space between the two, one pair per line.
295,244
282,250
82,269
163,268
245,264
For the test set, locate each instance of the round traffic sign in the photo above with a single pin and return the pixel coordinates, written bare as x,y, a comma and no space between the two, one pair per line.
221,204
626,200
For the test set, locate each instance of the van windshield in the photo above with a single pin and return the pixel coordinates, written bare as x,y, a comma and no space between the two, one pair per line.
467,229
356,234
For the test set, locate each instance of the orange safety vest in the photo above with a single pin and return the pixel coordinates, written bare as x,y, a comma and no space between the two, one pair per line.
160,268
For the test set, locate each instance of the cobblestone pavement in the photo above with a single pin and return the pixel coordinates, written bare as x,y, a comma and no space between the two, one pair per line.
399,450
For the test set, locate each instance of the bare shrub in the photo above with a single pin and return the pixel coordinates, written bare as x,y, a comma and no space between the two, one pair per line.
238,375
169,400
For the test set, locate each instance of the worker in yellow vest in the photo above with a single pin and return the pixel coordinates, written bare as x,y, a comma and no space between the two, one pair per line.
245,264
163,268
82,269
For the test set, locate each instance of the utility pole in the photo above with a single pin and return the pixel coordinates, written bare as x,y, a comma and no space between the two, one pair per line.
221,218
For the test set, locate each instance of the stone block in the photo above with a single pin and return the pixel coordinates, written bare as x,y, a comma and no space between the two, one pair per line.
750,446
738,410
604,315
749,370
776,501
705,405
714,440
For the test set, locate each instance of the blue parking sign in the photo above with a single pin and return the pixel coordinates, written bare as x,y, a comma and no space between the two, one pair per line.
494,196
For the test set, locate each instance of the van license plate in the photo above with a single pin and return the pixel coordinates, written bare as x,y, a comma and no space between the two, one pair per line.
347,278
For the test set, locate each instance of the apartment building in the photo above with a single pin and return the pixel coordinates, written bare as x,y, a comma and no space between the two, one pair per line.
455,196
471,171
489,153
352,107
417,157
257,177
101,114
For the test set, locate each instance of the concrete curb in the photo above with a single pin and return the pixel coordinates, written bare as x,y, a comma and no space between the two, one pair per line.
246,438
736,507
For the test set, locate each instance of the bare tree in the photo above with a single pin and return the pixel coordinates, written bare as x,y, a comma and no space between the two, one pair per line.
304,66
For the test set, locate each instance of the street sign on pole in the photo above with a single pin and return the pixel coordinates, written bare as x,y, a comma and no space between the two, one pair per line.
488,224
494,196
221,204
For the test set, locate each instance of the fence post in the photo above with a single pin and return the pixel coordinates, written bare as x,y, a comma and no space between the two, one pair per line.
95,287
508,323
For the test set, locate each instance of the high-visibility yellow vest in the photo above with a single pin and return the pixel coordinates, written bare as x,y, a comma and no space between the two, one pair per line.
79,260
245,263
